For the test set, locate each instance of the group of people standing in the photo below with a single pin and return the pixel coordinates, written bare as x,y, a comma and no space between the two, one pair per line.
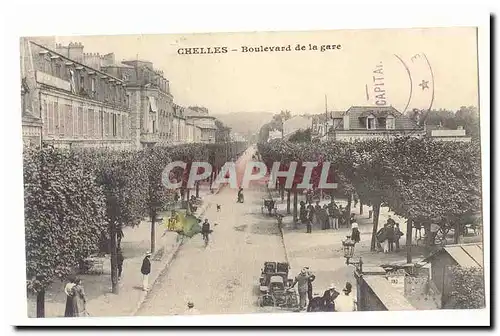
388,236
75,299
328,216
331,300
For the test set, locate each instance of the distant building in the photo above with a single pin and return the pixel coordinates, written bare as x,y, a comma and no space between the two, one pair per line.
199,117
441,134
274,134
365,122
66,103
193,132
295,124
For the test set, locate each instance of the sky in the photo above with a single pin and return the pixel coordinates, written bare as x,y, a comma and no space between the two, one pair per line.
422,68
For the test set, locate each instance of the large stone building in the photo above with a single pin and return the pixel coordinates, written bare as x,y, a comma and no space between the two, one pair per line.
66,103
365,122
150,100
199,117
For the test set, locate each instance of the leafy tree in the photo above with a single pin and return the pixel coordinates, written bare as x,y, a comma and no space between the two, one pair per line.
301,136
467,289
124,180
64,217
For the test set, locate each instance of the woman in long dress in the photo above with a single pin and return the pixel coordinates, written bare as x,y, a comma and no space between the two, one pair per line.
80,301
68,290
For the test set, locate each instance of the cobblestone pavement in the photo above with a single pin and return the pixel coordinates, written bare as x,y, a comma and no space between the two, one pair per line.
223,277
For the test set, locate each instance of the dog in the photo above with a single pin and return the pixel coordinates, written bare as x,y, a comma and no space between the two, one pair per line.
218,207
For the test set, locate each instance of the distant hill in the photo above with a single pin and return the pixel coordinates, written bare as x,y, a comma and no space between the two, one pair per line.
245,123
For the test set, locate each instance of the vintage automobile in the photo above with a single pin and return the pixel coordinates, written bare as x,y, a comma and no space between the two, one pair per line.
275,286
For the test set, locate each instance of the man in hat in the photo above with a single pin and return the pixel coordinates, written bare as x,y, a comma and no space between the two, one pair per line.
145,270
303,285
329,298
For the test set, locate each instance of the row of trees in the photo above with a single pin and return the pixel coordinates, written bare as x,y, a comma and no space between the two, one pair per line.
422,180
77,202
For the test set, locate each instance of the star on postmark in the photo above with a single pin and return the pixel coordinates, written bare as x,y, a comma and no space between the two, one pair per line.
424,85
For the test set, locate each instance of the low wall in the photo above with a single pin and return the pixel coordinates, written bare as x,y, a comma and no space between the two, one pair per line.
376,293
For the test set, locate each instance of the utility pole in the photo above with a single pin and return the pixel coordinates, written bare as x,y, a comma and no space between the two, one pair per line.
326,117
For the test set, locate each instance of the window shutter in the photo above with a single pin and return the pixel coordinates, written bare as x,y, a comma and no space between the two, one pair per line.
51,118
69,120
106,124
85,121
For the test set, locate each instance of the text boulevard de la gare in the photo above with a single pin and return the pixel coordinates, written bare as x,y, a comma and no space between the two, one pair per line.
258,49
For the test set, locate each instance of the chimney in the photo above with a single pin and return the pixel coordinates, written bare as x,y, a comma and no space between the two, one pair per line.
75,51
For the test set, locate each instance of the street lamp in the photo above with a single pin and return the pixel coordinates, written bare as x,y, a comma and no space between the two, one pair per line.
348,248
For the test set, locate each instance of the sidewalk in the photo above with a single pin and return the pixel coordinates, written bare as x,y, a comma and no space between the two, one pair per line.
135,243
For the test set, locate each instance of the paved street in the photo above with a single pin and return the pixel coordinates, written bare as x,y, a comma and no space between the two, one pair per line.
222,278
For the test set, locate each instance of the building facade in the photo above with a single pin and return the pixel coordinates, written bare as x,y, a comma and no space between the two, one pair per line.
365,122
200,118
150,100
66,103
458,135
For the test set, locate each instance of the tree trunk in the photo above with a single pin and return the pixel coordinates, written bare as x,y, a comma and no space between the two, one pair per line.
360,207
456,234
288,202
295,198
348,212
114,262
197,189
409,227
153,235
376,212
332,198
40,303
282,191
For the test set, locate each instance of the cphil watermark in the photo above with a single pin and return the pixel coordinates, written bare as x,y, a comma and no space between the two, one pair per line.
238,175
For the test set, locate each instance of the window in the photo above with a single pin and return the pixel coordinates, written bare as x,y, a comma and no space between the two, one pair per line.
110,124
106,124
45,116
82,82
90,124
51,119
85,122
370,122
69,120
80,121
390,122
92,86
100,120
114,121
59,118
57,69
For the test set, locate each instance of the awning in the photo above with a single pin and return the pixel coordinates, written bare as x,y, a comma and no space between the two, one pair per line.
152,104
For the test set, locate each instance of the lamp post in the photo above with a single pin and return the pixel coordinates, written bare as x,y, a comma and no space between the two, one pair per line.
348,248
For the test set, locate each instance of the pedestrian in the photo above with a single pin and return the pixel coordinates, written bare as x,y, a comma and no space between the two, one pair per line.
341,216
391,221
329,297
345,302
324,217
303,213
397,235
356,199
145,270
315,304
336,217
355,235
80,300
317,215
70,297
119,262
310,286
302,279
382,239
418,229
390,237
310,215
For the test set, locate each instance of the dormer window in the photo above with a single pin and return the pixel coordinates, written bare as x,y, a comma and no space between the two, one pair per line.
370,122
390,122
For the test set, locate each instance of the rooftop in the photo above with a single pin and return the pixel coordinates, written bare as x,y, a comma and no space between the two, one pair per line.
466,255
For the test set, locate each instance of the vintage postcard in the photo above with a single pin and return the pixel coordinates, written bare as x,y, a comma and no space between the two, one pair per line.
313,172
